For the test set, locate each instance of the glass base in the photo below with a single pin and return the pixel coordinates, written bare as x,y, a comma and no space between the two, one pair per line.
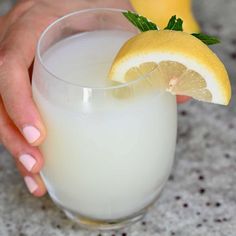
93,224
96,224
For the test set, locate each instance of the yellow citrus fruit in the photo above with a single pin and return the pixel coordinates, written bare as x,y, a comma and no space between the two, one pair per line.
176,62
160,11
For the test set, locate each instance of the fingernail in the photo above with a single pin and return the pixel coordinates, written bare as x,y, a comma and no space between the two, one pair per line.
31,184
31,134
27,161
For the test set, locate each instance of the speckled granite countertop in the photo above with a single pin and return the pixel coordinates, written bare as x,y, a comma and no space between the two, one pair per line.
200,196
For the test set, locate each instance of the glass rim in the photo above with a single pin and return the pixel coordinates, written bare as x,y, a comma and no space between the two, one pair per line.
60,79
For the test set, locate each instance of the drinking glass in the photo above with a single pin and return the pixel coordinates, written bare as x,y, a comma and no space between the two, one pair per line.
110,147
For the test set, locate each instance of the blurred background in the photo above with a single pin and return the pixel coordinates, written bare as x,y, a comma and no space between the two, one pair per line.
200,196
5,5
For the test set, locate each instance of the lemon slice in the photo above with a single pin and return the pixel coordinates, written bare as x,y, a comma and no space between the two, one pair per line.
176,62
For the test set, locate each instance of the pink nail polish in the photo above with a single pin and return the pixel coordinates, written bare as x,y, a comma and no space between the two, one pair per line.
31,134
27,161
31,184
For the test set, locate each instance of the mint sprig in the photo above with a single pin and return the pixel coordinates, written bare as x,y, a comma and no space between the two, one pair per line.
141,22
176,24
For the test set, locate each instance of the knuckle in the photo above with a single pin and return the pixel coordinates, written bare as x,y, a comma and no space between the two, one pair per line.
19,42
6,53
7,61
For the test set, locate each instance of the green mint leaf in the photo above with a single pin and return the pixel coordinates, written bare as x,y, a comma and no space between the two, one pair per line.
175,24
207,39
142,23
171,23
178,25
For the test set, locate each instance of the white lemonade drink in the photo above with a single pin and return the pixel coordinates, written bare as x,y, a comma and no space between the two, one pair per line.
107,155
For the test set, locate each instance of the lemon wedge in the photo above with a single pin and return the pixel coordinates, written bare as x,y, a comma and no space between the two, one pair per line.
173,61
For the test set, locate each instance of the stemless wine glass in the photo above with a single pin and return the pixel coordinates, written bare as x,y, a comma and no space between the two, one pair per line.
109,147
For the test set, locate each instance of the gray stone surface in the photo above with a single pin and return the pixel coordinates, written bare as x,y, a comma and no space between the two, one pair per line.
5,5
199,198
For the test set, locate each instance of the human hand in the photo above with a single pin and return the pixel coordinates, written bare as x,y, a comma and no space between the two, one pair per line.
21,127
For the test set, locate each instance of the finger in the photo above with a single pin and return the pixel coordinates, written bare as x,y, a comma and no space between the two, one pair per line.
15,59
15,90
29,157
182,99
34,183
